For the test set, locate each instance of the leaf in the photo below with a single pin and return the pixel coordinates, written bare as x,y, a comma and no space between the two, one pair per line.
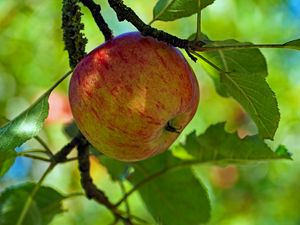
172,192
254,94
249,60
3,120
46,204
245,81
217,145
7,159
168,10
283,152
295,44
27,124
117,170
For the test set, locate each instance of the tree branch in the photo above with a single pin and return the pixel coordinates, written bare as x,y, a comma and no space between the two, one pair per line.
95,10
92,192
73,37
125,13
61,156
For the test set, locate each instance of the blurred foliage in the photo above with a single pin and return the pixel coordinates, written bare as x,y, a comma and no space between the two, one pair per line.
32,57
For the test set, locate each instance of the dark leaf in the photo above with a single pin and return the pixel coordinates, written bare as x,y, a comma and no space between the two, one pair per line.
216,145
173,191
7,159
45,205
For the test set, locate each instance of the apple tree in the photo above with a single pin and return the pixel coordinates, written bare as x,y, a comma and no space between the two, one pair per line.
150,159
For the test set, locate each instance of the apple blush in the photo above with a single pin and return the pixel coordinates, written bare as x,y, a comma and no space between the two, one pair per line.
132,96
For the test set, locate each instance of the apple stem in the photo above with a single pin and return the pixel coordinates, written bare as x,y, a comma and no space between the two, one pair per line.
172,129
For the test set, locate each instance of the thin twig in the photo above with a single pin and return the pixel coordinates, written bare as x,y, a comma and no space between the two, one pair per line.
95,10
43,144
33,151
35,157
71,159
75,194
155,175
241,46
123,189
209,62
138,185
198,34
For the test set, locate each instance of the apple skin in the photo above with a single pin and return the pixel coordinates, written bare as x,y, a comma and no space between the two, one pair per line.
132,96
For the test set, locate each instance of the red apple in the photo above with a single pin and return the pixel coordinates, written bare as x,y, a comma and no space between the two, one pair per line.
132,96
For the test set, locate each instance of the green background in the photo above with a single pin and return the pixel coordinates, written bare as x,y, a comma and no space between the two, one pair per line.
32,58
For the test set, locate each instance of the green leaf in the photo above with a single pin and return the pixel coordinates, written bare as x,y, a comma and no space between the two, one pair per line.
242,60
27,124
248,60
46,204
254,94
117,170
295,44
7,159
283,152
245,81
216,145
168,10
172,191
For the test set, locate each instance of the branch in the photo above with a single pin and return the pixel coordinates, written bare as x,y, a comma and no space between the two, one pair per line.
35,157
92,192
242,46
73,37
95,10
43,143
125,13
61,156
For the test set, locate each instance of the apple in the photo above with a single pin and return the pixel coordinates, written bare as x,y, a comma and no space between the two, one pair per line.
132,96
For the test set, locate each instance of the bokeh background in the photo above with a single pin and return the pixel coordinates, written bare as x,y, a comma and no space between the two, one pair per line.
32,58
